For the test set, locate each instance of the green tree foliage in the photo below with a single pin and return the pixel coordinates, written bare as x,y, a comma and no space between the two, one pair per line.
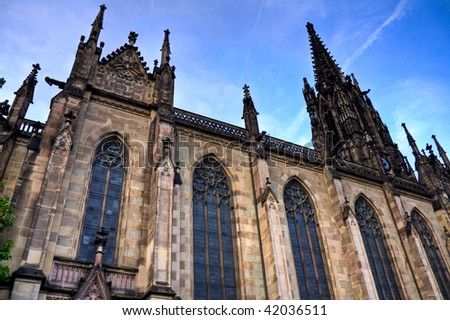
7,217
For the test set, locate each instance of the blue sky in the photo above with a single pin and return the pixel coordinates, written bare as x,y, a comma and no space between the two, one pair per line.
400,49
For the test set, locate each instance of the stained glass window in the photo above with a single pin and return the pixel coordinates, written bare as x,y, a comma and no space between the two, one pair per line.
377,255
214,263
433,254
103,201
308,261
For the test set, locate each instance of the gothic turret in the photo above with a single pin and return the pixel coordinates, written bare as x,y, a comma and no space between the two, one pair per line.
345,125
24,97
431,172
164,76
442,153
422,162
416,153
250,115
87,56
165,50
97,25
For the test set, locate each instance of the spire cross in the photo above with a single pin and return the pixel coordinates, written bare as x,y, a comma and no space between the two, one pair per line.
36,68
429,148
132,37
101,237
246,91
70,116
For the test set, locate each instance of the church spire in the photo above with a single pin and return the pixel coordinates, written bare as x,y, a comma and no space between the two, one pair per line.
442,152
326,70
24,96
250,114
165,50
412,143
97,25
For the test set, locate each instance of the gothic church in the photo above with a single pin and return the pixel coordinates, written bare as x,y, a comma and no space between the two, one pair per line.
121,195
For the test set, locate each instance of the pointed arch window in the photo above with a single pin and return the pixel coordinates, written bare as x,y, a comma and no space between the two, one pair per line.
377,255
308,261
433,254
103,200
214,262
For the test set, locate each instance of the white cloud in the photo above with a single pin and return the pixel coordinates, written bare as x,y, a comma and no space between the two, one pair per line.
396,14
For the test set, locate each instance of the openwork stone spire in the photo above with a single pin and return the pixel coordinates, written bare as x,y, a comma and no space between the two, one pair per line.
326,70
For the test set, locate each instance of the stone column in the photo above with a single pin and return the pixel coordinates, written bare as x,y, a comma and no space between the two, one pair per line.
28,277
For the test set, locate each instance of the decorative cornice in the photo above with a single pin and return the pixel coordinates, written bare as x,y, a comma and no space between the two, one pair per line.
237,145
121,107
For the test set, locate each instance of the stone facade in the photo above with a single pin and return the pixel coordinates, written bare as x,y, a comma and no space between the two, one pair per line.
47,171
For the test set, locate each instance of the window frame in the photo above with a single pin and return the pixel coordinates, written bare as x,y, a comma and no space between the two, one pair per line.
394,292
205,215
323,289
416,219
112,246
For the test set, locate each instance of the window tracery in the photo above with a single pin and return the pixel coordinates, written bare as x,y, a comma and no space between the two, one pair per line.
308,261
104,200
377,255
433,254
214,264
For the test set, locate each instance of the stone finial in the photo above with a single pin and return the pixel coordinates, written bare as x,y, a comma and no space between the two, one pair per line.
166,33
429,149
165,50
100,242
101,238
246,91
4,107
70,116
132,37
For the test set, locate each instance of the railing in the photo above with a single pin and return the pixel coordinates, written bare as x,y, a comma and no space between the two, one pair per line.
413,186
28,127
214,126
68,273
358,169
290,148
209,124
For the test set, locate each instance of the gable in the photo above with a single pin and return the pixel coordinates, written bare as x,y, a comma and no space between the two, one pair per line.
124,73
126,63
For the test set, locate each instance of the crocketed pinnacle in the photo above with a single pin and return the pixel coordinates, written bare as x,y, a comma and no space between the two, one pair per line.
97,25
326,70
